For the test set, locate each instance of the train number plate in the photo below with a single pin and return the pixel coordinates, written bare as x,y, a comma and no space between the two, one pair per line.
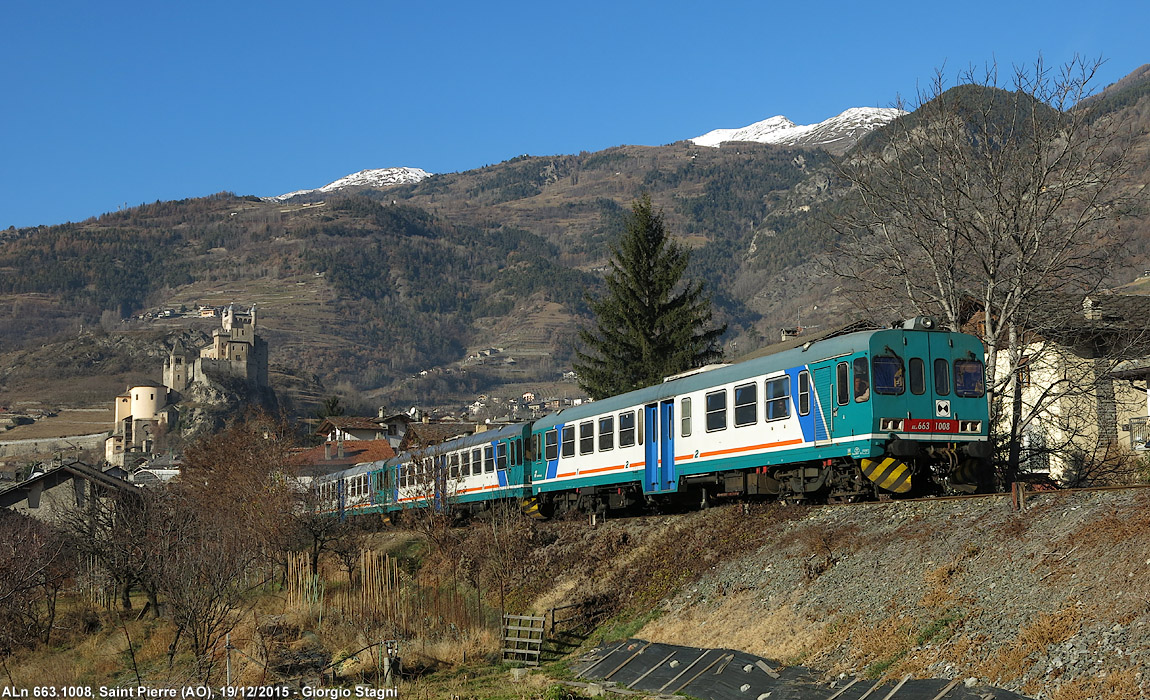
925,425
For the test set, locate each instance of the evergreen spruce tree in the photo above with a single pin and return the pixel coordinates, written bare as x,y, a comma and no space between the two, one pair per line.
651,323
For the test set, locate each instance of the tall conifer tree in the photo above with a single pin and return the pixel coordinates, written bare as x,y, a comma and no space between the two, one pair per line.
651,323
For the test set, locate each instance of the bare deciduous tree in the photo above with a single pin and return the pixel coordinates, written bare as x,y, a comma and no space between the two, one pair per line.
33,567
988,199
224,530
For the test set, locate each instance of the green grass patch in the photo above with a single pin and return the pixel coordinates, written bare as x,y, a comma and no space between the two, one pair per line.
623,628
944,624
878,668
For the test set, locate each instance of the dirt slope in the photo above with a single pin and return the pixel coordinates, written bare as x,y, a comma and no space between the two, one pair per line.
1052,602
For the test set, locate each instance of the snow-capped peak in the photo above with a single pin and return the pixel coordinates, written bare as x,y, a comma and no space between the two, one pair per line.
835,134
381,178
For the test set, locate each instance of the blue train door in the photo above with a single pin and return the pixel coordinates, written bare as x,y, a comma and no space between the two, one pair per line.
667,473
825,407
659,469
651,449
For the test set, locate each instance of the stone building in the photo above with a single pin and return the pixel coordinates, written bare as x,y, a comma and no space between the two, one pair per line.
236,351
141,414
144,412
1084,397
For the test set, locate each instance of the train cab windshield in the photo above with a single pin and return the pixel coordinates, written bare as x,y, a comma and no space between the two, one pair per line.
888,375
968,380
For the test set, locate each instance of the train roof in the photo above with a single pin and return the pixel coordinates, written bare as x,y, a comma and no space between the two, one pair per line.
510,430
845,340
361,468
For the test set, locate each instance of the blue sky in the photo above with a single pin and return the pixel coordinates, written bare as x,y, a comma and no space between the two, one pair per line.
107,104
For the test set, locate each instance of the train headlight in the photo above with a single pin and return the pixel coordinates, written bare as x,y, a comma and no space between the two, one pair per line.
891,424
970,426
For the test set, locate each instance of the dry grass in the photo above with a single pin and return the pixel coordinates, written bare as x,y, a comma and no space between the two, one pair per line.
880,646
1120,685
739,622
938,593
97,659
473,683
67,423
1011,661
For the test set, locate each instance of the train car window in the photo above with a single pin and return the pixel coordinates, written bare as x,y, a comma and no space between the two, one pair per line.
685,416
477,461
942,377
501,455
626,429
568,441
607,433
842,384
488,459
862,379
465,463
586,438
639,427
551,442
778,398
968,379
889,375
804,393
917,376
533,452
516,452
716,411
746,405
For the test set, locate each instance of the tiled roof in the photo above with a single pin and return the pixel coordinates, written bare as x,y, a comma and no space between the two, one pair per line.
314,460
354,422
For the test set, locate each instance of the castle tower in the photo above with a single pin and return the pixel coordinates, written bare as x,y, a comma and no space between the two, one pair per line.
178,368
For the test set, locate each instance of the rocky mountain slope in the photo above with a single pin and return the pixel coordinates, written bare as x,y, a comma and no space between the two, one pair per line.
386,287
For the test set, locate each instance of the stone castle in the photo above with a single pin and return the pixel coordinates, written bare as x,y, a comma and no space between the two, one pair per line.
236,352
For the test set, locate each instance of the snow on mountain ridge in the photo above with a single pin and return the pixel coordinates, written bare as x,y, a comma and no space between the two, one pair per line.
836,133
380,177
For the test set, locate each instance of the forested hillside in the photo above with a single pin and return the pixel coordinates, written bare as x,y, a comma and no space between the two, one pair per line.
362,290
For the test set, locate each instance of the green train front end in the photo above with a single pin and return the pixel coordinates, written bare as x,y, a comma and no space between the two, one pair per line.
905,410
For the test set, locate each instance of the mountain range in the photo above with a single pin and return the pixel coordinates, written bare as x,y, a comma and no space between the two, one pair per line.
380,178
837,134
398,286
